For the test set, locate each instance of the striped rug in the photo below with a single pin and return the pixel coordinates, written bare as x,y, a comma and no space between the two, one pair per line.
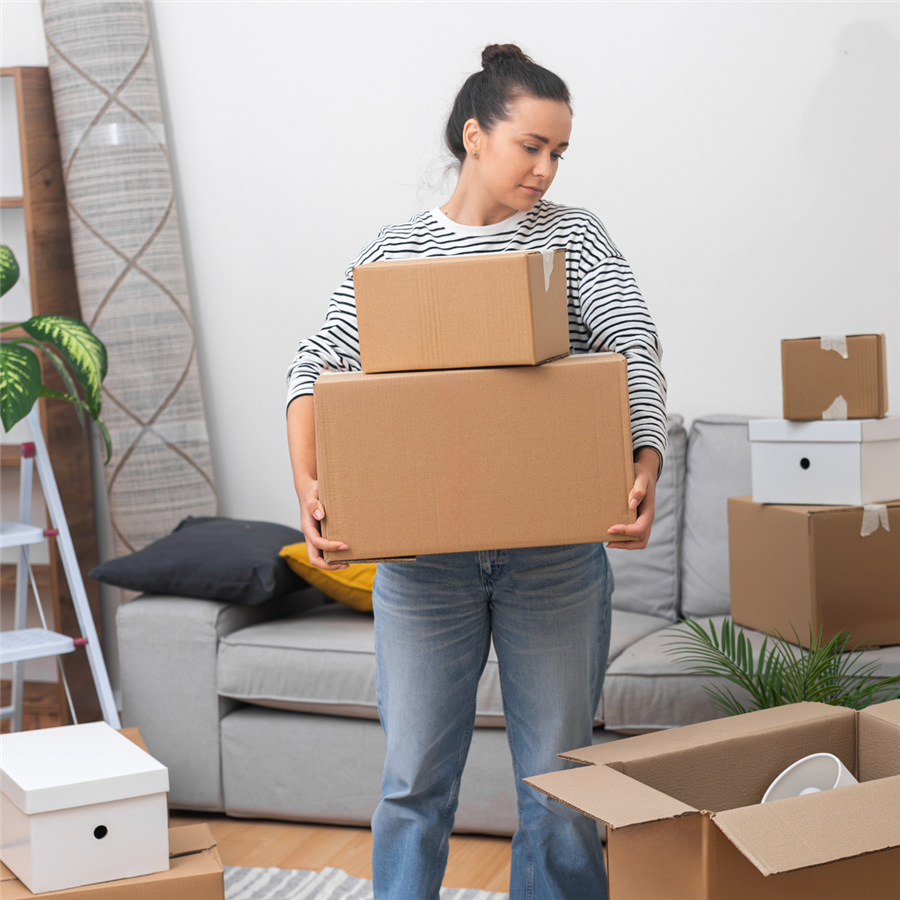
329,884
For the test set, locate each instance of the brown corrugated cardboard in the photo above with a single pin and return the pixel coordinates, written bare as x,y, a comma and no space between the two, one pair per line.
817,570
134,735
813,378
474,459
879,747
686,822
195,873
459,312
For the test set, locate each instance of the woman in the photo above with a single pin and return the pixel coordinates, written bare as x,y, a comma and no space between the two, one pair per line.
547,608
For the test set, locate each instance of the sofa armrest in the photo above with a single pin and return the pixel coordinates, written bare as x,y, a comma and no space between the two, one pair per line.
167,652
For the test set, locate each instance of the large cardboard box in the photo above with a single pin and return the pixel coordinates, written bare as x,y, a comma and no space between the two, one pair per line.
474,459
810,565
506,309
848,463
835,378
685,818
195,873
80,804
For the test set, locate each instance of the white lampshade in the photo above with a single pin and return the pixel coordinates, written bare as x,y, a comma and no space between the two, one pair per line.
818,772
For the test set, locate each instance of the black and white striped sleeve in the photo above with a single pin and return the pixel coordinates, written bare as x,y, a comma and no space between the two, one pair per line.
335,346
618,320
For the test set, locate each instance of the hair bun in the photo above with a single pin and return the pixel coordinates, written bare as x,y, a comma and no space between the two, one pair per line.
495,54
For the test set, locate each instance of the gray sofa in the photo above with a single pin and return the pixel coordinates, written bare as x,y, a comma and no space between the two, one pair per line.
270,711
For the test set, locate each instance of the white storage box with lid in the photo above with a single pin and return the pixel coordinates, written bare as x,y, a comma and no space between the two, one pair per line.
834,463
81,804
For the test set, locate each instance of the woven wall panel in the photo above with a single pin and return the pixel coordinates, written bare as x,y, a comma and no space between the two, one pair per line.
129,264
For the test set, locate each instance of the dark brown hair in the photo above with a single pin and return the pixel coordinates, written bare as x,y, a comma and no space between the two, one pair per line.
506,74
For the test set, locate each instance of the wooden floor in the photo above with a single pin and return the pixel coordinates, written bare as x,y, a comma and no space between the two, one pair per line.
476,861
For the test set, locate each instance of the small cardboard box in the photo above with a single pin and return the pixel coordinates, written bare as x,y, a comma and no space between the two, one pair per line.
456,312
195,873
835,378
474,459
80,804
849,463
810,565
685,818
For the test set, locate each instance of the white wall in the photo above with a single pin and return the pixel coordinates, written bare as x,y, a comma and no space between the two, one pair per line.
744,156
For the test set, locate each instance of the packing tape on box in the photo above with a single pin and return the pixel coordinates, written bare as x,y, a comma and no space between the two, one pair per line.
874,514
548,267
837,410
836,342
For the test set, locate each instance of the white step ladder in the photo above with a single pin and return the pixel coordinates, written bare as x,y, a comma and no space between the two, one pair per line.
24,643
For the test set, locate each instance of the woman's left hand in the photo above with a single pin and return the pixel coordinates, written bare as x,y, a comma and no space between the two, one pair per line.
643,499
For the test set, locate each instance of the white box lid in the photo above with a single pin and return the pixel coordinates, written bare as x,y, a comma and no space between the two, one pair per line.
852,431
75,765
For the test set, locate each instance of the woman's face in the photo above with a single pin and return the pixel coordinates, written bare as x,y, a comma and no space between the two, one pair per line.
518,159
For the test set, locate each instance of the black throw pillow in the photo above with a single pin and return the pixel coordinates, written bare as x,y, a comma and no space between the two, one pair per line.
212,558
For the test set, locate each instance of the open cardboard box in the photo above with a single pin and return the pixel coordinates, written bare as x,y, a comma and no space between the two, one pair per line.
686,823
195,873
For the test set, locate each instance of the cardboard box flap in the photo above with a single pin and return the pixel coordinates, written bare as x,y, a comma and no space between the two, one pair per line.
879,741
188,839
885,712
609,796
803,832
704,733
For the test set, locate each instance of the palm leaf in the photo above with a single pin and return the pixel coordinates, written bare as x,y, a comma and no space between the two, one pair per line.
9,269
79,346
20,383
783,673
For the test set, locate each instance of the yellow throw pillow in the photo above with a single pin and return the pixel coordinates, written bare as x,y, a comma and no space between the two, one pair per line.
351,586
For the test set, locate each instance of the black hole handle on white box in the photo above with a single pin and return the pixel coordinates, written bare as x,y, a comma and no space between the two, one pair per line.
100,832
804,463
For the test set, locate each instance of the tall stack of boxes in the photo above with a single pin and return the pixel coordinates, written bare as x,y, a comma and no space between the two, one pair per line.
470,427
818,544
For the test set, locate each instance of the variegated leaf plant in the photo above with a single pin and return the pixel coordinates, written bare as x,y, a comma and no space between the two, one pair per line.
73,350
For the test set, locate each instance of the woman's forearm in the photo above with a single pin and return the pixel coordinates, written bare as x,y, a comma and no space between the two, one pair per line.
301,428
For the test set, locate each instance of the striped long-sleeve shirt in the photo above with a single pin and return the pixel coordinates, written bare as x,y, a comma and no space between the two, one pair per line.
606,310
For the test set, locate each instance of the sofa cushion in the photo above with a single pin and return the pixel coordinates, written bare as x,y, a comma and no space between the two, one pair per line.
649,581
718,467
280,765
351,586
210,558
323,661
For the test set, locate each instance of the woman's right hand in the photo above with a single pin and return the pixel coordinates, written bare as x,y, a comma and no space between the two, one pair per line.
301,428
311,515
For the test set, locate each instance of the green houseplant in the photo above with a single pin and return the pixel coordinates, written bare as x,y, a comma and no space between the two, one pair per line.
781,673
76,353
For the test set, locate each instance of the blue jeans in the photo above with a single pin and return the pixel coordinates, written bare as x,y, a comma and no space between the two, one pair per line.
548,609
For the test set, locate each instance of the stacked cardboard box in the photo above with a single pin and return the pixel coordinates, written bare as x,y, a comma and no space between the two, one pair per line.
195,872
470,427
818,545
93,814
